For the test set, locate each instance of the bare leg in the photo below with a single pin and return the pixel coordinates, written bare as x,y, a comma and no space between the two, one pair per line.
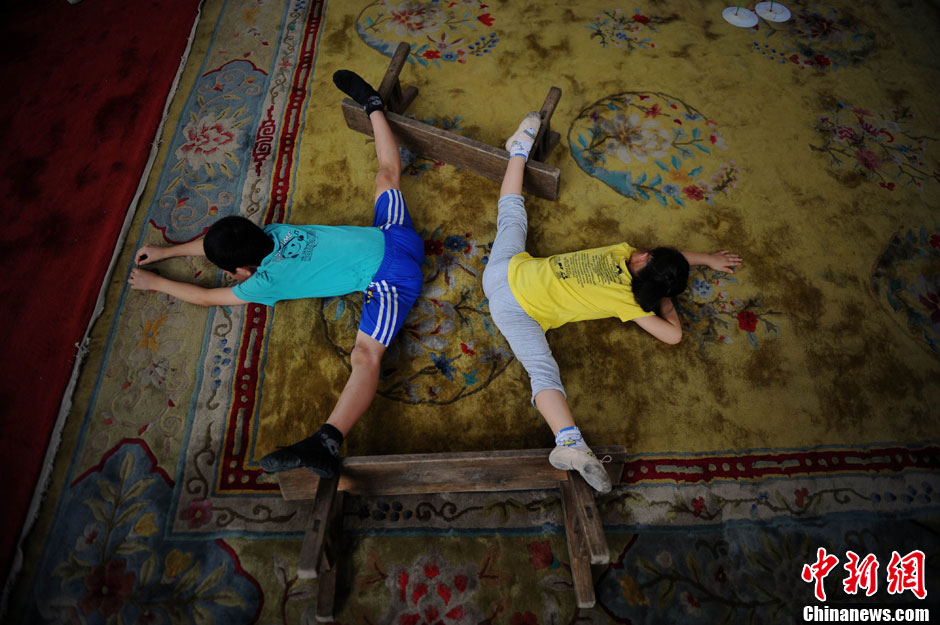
366,356
320,451
357,395
512,181
386,149
554,408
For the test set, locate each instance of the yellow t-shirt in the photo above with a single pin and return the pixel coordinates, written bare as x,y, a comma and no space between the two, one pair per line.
588,284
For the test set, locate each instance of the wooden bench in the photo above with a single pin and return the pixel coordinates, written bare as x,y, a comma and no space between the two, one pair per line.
442,145
490,471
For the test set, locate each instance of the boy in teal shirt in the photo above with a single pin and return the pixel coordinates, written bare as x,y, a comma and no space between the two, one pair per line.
283,261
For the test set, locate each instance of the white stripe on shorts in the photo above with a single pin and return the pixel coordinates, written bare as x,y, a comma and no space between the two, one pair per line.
381,296
388,312
391,313
396,214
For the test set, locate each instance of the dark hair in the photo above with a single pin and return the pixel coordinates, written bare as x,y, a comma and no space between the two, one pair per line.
234,242
665,275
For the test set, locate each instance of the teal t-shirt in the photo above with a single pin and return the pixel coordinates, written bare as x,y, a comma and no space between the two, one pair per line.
314,261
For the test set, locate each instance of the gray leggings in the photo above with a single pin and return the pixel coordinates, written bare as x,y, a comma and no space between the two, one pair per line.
524,334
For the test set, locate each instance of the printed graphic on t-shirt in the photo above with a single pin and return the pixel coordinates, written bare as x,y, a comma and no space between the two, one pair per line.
297,244
588,269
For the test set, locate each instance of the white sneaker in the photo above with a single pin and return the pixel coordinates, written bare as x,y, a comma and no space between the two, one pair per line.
525,134
590,468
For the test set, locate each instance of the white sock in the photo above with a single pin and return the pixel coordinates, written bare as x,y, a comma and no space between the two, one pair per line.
571,437
520,143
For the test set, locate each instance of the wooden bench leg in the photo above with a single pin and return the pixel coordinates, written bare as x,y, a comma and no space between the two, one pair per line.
589,518
546,139
395,100
317,526
330,563
577,550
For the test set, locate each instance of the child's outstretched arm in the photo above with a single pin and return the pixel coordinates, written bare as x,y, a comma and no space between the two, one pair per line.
143,280
719,261
664,325
151,252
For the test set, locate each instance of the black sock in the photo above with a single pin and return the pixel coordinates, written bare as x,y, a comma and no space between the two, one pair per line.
330,438
359,90
319,452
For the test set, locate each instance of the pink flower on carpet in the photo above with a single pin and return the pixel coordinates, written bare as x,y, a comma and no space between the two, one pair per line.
409,18
431,54
822,60
886,185
209,141
694,192
428,596
844,133
720,576
801,495
433,248
107,586
931,301
871,129
198,513
690,603
747,321
641,19
88,537
698,506
541,555
868,159
486,18
717,140
935,241
420,589
523,619
653,112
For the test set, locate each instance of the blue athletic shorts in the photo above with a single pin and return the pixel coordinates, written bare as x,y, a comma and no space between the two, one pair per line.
398,282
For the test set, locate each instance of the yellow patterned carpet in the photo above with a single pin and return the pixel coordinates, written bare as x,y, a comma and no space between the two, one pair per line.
806,386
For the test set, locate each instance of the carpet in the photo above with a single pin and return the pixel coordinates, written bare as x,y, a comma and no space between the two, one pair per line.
86,89
797,414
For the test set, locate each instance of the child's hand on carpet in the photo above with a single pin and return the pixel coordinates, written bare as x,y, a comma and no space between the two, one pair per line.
148,254
142,280
724,261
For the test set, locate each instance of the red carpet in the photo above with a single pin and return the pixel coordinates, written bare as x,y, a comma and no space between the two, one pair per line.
84,90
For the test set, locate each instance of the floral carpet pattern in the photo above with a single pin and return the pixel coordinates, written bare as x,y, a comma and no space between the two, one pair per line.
797,414
644,127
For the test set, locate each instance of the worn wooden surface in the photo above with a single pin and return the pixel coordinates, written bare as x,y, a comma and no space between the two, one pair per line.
409,474
314,538
390,88
581,577
475,156
590,520
546,139
330,562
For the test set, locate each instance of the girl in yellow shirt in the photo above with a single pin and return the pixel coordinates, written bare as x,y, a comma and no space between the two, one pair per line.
528,296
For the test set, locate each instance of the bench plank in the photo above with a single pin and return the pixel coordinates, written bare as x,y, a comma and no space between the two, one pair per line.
441,145
411,474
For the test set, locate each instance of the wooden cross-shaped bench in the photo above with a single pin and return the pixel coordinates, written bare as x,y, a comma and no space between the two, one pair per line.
491,471
442,145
